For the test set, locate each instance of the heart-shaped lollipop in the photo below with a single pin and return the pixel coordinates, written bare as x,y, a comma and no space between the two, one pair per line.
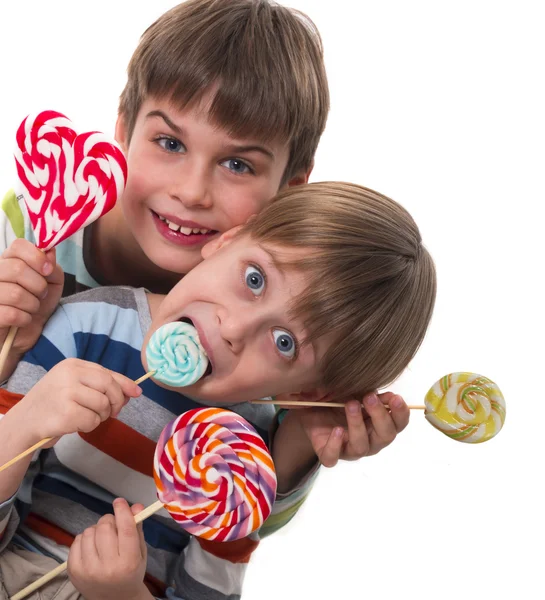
67,180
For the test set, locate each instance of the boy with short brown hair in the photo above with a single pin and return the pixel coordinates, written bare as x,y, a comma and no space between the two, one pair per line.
328,293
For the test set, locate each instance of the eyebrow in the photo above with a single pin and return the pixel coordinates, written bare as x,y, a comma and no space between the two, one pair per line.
166,119
250,148
275,261
235,149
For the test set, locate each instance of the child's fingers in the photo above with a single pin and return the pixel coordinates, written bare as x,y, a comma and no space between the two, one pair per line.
135,509
12,294
358,438
400,412
106,539
56,277
331,452
101,380
13,317
75,560
127,385
381,419
16,271
51,256
128,538
27,252
97,407
89,553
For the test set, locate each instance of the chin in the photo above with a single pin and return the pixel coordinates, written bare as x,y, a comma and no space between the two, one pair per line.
178,261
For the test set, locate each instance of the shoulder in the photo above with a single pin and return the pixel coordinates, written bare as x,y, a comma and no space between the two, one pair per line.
119,296
112,311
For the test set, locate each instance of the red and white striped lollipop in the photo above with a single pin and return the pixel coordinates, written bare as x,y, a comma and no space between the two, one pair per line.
214,474
67,180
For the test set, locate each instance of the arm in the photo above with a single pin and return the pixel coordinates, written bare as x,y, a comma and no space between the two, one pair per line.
74,396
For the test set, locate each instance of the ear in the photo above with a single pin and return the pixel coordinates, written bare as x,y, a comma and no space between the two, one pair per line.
300,177
121,133
217,243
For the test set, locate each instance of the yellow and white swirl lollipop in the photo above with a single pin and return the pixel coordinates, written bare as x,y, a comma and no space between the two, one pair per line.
465,406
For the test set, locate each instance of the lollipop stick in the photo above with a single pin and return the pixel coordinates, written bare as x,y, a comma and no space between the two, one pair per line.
8,342
25,453
322,404
144,377
43,442
147,512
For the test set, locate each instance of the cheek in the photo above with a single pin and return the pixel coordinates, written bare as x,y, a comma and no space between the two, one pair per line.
145,173
238,207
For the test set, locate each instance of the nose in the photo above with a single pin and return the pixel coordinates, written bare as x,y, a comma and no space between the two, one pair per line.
237,326
192,186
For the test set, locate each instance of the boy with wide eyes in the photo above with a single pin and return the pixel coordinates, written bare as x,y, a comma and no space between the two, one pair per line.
327,293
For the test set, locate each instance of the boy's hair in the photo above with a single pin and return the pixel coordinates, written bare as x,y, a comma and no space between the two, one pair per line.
371,283
262,62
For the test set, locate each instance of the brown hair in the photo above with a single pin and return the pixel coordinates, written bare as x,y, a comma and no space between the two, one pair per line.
263,62
371,283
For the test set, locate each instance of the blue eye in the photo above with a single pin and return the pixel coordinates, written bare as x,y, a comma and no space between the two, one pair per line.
284,342
170,144
237,166
255,280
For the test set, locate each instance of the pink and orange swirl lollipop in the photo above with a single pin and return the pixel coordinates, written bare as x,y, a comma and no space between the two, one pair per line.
214,474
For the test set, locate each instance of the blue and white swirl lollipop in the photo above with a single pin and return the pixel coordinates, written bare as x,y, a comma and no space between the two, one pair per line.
175,355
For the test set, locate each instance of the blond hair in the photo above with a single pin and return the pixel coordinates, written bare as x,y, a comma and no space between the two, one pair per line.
371,283
263,62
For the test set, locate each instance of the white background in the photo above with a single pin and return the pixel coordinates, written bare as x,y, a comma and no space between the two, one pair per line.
441,106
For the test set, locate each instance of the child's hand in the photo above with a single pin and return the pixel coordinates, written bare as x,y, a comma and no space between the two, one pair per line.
31,285
75,395
352,433
108,561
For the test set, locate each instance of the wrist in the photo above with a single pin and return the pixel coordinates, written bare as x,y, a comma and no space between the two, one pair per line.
293,453
20,421
142,594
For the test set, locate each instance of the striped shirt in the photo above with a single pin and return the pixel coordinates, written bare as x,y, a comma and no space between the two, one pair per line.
68,487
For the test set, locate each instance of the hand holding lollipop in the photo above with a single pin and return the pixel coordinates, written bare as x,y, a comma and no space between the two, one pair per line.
174,355
214,475
67,181
464,406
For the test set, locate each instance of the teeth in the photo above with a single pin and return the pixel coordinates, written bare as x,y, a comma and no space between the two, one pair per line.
183,230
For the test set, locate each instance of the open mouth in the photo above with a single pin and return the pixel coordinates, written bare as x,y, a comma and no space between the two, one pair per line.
209,368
